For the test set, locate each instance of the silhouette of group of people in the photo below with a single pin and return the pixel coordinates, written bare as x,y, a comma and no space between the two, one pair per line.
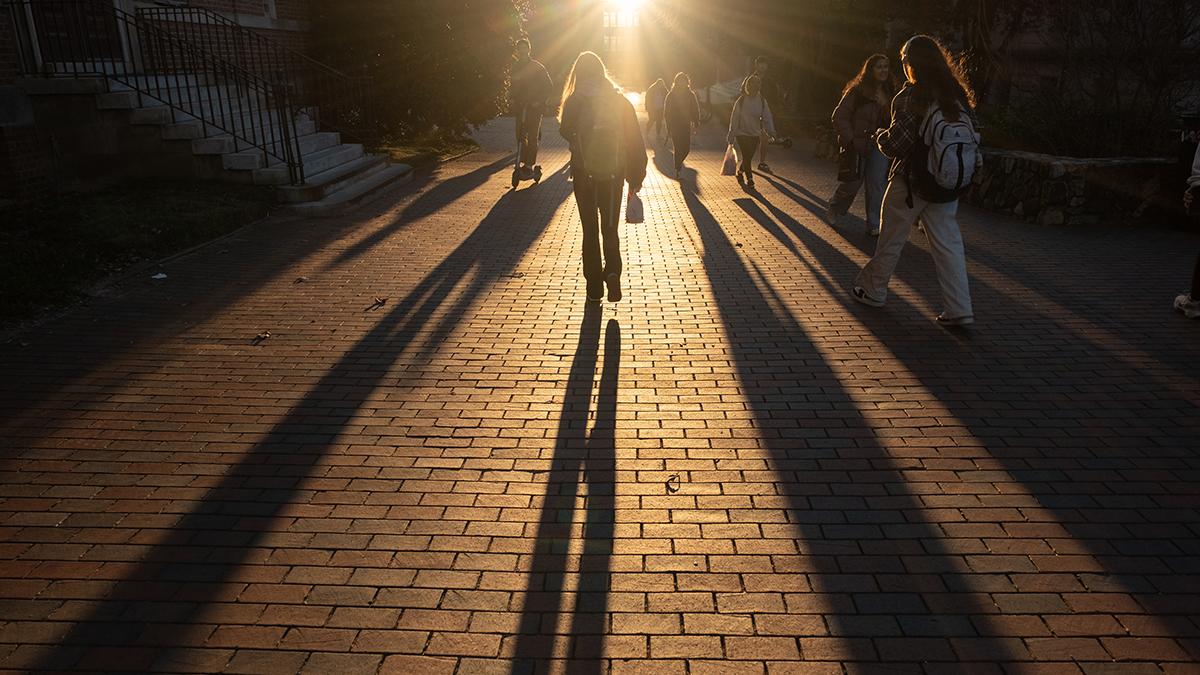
911,149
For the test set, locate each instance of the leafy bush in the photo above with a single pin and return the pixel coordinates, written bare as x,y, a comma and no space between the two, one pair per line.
436,64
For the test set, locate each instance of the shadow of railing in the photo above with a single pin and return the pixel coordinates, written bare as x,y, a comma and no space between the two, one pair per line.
239,512
576,452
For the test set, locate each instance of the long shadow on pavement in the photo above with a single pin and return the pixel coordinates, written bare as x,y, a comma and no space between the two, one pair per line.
1114,470
148,613
439,197
576,452
61,362
880,573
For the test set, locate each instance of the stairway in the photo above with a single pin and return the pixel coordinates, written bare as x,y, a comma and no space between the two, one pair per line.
336,174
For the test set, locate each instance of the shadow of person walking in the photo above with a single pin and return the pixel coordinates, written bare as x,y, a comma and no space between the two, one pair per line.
891,591
593,454
158,605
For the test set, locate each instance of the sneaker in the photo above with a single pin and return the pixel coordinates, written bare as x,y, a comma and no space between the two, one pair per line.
741,178
750,182
614,287
1188,305
944,320
764,167
873,230
860,294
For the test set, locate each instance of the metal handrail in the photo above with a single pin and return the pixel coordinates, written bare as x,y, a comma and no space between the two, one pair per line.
341,101
92,38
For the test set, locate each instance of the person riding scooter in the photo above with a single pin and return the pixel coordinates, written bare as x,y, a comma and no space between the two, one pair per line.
530,89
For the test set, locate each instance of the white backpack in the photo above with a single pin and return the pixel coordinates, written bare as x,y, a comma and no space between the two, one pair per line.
953,149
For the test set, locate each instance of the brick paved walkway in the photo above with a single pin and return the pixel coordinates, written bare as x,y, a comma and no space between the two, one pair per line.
735,470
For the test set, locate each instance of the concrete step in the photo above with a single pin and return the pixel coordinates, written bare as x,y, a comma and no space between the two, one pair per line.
248,160
222,142
355,189
127,99
135,82
247,128
314,164
49,86
317,186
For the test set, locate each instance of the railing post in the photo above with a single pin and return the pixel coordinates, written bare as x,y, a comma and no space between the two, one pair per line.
287,121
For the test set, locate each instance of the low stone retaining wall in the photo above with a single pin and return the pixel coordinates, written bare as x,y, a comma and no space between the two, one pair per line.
1069,191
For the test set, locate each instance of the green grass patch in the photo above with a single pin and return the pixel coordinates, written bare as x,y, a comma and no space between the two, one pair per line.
51,251
426,149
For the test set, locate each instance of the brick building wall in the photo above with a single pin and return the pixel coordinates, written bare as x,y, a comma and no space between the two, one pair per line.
26,166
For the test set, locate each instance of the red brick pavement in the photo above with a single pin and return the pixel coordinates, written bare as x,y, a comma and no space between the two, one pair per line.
735,470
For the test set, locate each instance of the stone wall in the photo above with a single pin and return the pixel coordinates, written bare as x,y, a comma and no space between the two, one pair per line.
1068,191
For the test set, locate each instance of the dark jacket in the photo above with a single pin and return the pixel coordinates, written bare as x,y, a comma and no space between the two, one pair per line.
856,119
531,84
573,127
683,110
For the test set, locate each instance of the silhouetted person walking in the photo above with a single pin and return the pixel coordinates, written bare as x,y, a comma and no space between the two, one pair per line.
656,102
750,122
934,147
862,111
683,117
607,151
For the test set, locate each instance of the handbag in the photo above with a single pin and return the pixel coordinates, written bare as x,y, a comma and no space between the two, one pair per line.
635,211
849,165
729,164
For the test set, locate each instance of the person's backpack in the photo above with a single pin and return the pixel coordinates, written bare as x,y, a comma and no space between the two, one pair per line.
600,140
951,152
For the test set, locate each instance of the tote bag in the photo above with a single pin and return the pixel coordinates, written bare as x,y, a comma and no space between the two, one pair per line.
729,164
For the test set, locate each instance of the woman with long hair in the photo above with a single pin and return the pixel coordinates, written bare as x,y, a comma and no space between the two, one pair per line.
936,90
607,152
749,122
683,117
861,112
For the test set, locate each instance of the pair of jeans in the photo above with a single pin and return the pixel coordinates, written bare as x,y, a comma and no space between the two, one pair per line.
874,177
747,146
941,226
599,203
681,139
529,129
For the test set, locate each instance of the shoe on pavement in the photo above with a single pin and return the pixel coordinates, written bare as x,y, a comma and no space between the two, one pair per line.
860,294
944,320
741,178
614,287
763,166
1188,305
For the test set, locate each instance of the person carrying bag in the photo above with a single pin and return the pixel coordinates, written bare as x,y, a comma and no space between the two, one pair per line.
607,151
750,121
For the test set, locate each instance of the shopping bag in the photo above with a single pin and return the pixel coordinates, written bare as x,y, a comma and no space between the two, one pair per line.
729,165
635,211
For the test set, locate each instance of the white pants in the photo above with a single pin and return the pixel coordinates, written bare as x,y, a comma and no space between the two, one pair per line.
941,226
